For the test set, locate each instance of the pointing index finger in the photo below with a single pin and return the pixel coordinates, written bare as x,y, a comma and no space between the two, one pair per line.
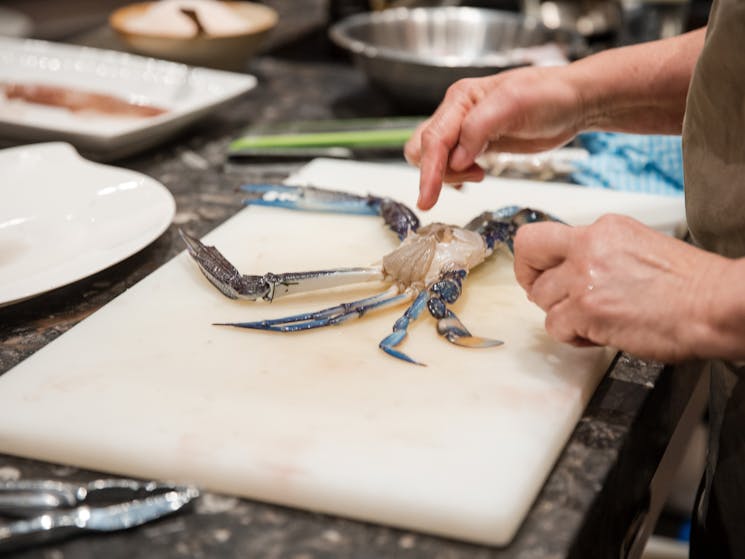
437,139
432,171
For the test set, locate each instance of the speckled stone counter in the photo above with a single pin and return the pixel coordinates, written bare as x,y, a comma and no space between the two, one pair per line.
596,495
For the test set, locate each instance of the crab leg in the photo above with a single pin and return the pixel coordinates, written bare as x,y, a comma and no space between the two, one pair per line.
444,291
399,218
233,284
400,328
329,316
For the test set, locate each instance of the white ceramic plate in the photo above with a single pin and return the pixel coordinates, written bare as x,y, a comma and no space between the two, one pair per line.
63,218
187,93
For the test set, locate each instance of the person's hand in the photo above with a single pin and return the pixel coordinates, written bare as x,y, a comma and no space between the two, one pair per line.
621,284
525,110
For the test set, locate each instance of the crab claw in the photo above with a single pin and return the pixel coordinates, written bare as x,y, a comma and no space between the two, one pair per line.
498,228
221,273
453,330
399,218
443,292
231,283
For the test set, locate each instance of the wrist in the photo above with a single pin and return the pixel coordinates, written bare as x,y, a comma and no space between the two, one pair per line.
596,99
718,327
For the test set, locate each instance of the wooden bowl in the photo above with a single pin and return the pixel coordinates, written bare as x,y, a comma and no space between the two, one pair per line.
227,52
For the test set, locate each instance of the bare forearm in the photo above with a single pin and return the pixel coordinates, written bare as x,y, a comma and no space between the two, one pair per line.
641,88
720,328
638,89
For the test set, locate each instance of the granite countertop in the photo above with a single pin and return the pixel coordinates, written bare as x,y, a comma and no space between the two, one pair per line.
594,494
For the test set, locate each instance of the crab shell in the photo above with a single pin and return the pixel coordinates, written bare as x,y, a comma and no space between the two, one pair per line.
423,256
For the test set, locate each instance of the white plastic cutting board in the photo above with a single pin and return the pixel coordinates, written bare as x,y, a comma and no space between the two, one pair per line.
324,420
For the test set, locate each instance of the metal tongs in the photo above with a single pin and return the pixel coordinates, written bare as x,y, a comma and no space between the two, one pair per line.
47,510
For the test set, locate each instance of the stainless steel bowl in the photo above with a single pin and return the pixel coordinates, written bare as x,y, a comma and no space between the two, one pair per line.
414,54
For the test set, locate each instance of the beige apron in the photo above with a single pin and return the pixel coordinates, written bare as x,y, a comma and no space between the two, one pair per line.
714,160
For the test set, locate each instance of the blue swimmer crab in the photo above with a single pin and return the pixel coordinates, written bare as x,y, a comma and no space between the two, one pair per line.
427,269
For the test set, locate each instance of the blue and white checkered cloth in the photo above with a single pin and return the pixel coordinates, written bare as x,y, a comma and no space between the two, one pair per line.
650,164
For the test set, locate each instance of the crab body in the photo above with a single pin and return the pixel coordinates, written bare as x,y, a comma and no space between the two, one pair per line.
425,254
426,270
